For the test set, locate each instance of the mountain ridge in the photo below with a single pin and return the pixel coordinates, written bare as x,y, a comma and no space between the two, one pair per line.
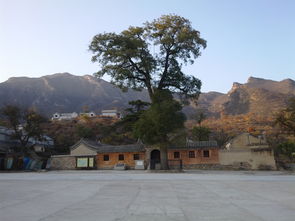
64,92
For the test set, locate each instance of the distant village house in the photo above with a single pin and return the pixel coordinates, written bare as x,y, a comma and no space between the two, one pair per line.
64,116
111,113
71,116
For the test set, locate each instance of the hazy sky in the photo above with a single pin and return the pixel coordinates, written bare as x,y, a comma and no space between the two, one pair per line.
245,37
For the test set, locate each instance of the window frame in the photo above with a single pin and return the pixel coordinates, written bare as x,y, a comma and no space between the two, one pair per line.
205,155
90,161
106,157
121,157
176,155
191,154
136,156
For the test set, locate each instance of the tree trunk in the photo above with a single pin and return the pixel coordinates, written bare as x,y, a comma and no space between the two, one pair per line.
164,157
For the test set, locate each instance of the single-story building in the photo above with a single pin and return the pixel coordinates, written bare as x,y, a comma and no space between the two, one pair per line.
192,155
87,154
246,151
201,154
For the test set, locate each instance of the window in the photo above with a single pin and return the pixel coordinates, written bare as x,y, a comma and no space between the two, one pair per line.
206,153
85,162
106,157
82,162
191,154
176,154
136,156
121,156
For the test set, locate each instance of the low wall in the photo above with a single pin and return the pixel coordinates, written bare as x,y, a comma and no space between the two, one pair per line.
63,163
202,166
240,159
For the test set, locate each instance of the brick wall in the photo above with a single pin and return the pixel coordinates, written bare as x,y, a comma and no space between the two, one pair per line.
199,158
114,159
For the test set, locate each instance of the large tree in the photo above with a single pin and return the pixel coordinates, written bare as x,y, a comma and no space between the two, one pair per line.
151,57
26,125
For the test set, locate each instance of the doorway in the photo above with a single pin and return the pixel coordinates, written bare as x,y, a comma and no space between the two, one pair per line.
155,159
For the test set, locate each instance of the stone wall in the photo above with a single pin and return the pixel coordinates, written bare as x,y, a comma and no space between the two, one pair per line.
63,163
203,167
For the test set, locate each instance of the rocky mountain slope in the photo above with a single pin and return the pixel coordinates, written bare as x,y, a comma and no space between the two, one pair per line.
258,96
67,93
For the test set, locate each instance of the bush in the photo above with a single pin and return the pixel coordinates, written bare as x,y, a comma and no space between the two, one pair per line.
287,149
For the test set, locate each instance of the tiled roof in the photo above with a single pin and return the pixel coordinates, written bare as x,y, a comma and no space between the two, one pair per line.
105,148
121,148
197,145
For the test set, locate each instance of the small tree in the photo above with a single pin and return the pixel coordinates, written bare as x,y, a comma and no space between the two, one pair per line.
286,118
200,133
287,149
84,131
221,137
26,124
134,112
200,117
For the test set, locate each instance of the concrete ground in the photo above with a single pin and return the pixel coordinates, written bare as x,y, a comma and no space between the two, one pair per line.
133,195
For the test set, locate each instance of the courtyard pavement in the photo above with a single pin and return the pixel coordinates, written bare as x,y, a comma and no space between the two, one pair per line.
140,195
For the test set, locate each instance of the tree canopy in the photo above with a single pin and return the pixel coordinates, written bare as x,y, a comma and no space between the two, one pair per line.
25,124
162,118
151,56
201,133
137,106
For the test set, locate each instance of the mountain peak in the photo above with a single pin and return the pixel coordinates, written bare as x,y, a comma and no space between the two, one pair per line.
288,81
235,86
255,80
64,74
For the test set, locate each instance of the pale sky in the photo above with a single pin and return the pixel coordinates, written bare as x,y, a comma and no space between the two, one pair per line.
245,37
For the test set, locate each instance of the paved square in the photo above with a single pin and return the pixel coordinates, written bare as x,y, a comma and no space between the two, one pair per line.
133,195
